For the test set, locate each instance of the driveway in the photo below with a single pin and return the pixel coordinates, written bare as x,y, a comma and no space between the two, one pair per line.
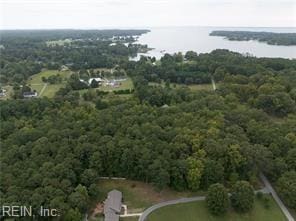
167,203
267,189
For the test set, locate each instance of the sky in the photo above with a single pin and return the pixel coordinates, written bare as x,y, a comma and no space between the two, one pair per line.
86,14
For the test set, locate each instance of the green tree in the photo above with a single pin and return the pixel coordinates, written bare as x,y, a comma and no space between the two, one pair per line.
291,159
242,196
217,199
191,55
286,186
194,174
79,198
213,173
73,215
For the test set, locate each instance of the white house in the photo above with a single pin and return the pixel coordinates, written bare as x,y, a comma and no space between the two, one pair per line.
99,80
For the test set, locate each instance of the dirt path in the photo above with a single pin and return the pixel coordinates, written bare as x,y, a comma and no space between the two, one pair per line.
214,84
43,89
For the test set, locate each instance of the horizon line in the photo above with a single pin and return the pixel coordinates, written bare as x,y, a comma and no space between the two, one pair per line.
140,27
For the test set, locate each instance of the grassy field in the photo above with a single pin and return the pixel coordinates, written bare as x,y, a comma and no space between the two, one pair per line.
128,84
58,42
37,87
36,83
197,211
138,195
37,78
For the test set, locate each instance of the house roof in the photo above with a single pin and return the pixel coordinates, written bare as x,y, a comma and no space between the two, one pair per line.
114,200
111,217
96,79
29,92
112,205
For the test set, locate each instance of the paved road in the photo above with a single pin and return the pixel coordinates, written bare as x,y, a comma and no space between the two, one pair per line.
276,198
167,203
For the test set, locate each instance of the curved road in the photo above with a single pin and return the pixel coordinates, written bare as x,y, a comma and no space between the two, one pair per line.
267,189
167,203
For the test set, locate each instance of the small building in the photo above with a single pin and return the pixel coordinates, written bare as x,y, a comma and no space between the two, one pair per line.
30,94
2,92
112,206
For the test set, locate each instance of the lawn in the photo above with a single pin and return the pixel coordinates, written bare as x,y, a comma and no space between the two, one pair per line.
138,195
125,85
51,89
197,211
37,78
36,83
37,87
58,42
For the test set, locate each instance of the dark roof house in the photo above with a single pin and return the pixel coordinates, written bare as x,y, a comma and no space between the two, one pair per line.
30,94
112,206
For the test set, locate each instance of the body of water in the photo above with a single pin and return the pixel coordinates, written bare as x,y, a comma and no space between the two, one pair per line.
182,39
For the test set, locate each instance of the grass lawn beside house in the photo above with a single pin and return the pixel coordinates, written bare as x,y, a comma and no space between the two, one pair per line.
124,85
138,195
36,83
197,211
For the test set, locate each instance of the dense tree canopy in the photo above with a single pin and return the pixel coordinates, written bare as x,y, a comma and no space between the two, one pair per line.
287,188
54,150
268,37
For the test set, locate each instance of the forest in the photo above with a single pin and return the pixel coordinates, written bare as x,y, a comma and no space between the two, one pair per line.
270,38
53,151
25,53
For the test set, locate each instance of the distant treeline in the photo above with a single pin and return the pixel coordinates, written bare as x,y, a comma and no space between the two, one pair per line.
53,34
270,38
